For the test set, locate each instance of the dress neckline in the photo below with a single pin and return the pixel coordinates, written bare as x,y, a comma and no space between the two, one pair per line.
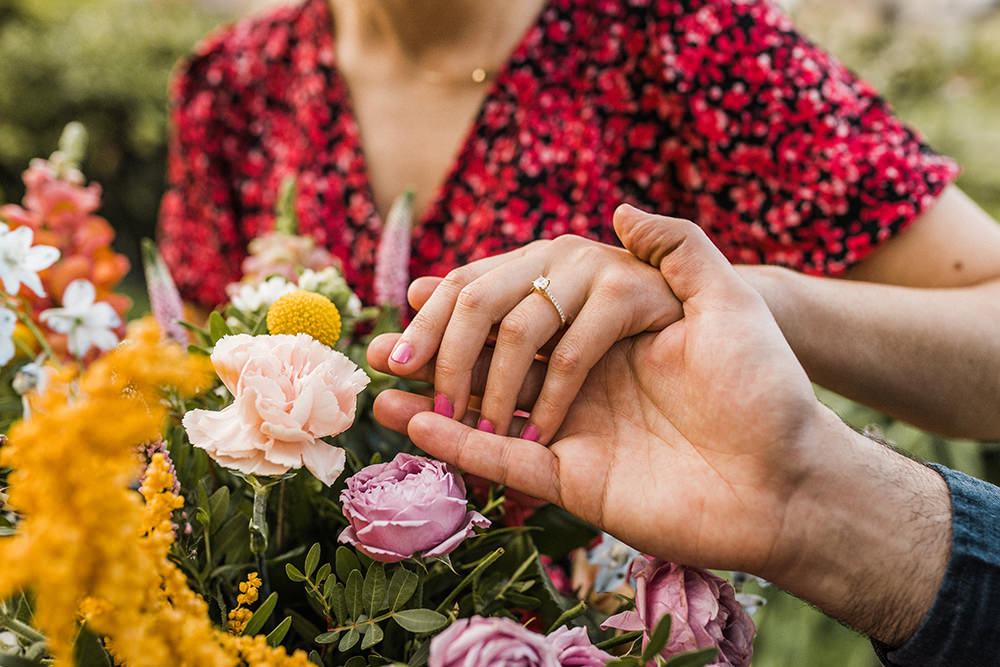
465,145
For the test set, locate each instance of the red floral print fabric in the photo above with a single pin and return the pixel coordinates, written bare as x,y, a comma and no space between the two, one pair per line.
713,110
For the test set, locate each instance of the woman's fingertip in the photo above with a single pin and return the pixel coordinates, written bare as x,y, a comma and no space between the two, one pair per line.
401,353
443,406
530,432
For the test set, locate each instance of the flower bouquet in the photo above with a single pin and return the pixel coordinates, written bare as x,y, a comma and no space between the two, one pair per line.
221,495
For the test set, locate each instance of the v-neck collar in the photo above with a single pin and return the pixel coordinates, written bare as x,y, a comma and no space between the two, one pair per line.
451,176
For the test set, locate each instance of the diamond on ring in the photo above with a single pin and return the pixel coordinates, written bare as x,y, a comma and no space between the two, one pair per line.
541,285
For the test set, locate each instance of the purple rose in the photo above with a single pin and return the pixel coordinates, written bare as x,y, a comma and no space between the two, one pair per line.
574,649
491,642
702,606
408,506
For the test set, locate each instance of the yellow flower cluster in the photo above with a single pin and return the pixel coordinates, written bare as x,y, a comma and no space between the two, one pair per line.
88,544
305,312
239,617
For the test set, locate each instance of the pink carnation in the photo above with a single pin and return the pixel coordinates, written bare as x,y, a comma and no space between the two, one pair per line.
703,608
289,391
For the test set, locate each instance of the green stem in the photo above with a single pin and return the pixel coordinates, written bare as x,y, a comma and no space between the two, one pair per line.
19,308
495,503
483,564
258,520
22,630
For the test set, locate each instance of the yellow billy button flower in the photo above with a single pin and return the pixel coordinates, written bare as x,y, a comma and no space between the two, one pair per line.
305,312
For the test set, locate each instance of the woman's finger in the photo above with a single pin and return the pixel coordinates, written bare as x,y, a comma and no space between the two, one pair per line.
381,346
587,340
482,303
522,333
422,337
421,289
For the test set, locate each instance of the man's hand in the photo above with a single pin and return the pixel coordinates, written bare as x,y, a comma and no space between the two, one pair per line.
704,444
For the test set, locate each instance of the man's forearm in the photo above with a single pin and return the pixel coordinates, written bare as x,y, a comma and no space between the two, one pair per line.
870,535
928,356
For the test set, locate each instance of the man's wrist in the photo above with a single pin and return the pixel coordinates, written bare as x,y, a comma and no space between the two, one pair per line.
872,531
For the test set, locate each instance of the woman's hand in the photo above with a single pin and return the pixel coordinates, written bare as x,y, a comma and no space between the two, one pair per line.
604,292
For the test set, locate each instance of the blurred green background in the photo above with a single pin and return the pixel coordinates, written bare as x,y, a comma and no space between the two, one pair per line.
106,63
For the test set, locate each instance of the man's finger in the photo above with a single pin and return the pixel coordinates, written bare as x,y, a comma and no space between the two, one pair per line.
687,258
520,464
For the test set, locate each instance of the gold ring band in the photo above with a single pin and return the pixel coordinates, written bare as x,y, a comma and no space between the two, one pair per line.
541,285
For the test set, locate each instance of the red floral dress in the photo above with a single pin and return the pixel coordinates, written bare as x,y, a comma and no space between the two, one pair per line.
712,110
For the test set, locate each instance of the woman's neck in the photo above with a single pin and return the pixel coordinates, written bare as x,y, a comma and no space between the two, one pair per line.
439,35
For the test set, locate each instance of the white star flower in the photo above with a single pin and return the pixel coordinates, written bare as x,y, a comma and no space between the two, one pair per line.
8,320
251,298
20,262
87,324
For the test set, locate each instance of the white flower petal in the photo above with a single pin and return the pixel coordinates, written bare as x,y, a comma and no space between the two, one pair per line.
58,319
20,239
8,320
32,282
10,278
6,349
103,339
79,294
41,257
102,315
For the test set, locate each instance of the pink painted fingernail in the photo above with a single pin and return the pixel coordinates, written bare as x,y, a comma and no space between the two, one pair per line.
530,433
486,426
442,406
402,353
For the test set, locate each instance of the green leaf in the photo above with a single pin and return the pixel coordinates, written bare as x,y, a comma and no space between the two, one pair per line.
261,327
373,590
87,650
276,635
328,585
420,620
353,593
218,507
338,600
217,327
624,638
202,335
420,656
348,641
372,637
696,658
627,661
657,639
260,616
327,637
312,560
18,661
356,661
197,349
315,658
323,573
401,588
346,561
293,573
520,600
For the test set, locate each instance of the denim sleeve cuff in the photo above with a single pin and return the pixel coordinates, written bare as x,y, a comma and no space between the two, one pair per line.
963,625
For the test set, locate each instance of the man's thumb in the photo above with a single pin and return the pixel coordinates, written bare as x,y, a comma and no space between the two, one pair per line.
688,260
